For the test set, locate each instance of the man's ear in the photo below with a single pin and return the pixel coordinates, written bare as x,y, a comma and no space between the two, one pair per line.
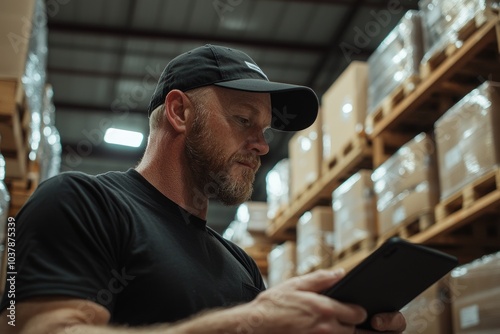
176,109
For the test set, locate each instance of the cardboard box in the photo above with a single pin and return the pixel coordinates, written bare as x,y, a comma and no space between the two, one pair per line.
409,206
254,215
315,240
16,23
476,308
305,152
343,110
407,184
430,312
281,263
354,210
468,138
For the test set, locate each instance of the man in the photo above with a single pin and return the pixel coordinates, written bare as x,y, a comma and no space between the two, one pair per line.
131,252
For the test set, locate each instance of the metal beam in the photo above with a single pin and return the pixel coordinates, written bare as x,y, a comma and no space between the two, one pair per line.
121,32
71,107
405,4
334,42
106,152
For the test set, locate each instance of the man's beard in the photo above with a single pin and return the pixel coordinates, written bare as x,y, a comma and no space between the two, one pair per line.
210,169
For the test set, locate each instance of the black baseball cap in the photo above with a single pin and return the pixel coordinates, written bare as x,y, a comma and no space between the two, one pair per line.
294,107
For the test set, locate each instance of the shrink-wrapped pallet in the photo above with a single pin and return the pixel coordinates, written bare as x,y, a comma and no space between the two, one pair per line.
315,239
468,138
407,184
396,61
444,22
354,211
281,263
50,149
34,77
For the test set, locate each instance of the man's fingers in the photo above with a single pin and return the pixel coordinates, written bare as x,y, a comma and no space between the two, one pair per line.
389,322
349,314
317,281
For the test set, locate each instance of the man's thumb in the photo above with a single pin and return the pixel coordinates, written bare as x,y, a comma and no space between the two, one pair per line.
319,280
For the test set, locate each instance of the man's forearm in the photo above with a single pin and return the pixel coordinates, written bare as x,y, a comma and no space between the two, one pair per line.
226,321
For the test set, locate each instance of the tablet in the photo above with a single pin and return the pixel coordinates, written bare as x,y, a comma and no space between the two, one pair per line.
391,276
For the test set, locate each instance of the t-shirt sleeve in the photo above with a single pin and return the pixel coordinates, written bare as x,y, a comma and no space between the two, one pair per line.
67,242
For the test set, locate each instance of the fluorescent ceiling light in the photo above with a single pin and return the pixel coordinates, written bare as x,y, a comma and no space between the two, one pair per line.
123,137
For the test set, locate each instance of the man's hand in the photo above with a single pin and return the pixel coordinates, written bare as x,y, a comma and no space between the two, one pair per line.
296,307
387,322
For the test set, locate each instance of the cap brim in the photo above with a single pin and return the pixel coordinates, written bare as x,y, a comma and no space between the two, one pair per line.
294,107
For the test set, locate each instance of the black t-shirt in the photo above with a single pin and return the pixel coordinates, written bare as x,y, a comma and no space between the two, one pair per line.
116,240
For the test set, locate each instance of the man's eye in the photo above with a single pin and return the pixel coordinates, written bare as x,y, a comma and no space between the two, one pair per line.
243,120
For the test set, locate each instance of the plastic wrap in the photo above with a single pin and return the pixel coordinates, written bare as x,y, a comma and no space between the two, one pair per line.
476,296
343,110
4,208
354,211
406,184
50,149
35,75
281,263
444,19
277,187
468,138
396,60
315,240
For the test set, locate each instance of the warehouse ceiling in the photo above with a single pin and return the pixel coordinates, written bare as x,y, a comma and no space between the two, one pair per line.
106,55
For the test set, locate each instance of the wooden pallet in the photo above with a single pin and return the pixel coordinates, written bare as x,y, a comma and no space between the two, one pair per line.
20,190
484,232
409,227
357,143
362,245
468,195
305,189
387,105
388,143
442,54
